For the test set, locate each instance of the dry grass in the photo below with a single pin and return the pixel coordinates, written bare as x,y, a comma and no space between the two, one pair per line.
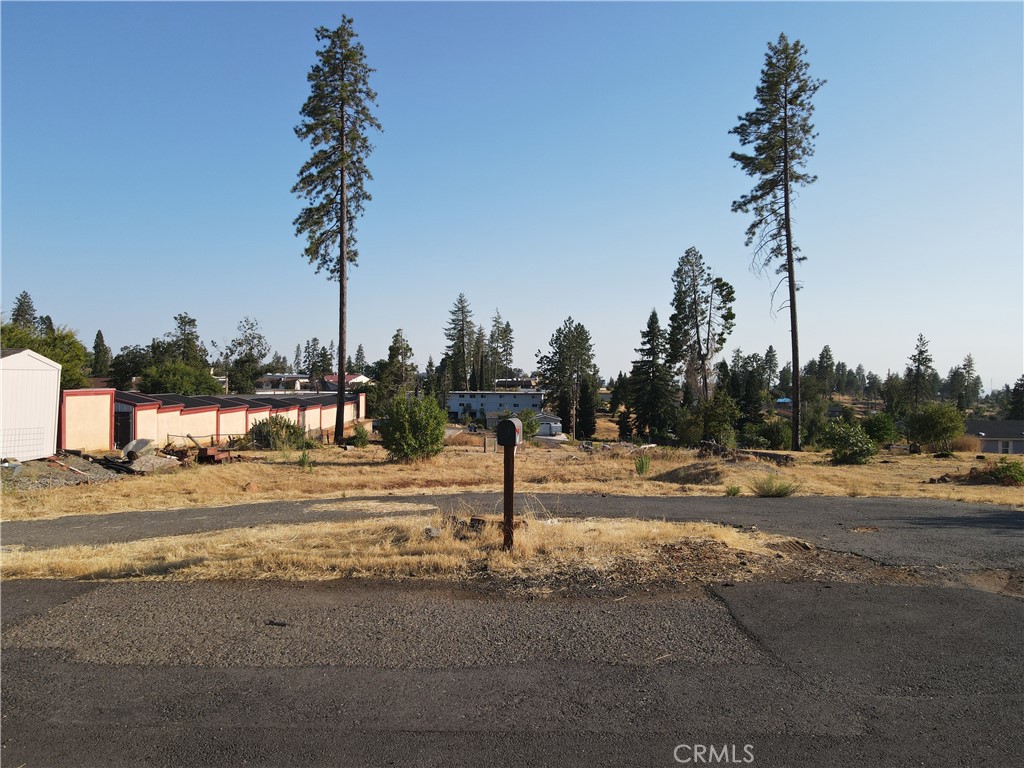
393,547
276,476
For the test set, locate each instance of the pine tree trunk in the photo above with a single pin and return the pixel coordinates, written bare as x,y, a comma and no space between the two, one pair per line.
339,418
791,279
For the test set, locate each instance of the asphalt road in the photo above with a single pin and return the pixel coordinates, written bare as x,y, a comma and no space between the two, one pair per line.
356,674
269,674
910,531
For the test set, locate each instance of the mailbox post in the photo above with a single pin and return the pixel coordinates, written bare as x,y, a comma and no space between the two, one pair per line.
510,435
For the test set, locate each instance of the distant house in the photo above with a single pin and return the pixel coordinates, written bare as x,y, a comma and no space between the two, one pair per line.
997,436
549,425
351,380
29,404
525,383
477,405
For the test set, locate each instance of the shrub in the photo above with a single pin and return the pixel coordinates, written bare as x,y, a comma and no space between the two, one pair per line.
277,433
881,428
414,429
531,425
774,435
642,464
360,437
936,424
732,490
850,444
771,487
1006,472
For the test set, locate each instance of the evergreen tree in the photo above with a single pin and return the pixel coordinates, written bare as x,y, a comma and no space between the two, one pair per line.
101,356
917,374
461,335
1015,404
780,132
298,363
506,349
586,422
702,317
24,313
44,326
826,371
398,376
359,364
570,358
972,382
651,383
337,118
278,364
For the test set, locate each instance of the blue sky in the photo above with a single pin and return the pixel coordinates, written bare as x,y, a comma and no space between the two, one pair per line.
545,159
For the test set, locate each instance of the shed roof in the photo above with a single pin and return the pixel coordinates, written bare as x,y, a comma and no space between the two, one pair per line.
31,353
134,398
168,398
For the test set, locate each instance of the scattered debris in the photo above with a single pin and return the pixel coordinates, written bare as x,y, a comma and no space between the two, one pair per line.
710,448
53,472
136,448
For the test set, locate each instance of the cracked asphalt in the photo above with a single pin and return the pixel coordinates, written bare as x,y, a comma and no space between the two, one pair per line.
138,673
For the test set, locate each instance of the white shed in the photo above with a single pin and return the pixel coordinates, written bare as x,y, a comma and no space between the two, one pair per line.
29,404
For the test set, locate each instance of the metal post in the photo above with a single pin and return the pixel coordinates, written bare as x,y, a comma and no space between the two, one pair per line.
510,479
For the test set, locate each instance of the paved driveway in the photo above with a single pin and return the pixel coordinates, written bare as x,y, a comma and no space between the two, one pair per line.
366,674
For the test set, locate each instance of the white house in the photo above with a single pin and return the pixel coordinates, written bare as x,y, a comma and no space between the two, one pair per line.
29,404
476,405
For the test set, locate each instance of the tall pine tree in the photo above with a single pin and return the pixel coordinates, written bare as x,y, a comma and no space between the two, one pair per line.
781,135
336,120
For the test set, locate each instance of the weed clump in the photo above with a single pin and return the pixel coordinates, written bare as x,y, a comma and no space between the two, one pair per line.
772,487
642,464
278,433
1006,472
360,437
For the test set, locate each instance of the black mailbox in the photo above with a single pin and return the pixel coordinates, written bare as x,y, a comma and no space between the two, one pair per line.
510,432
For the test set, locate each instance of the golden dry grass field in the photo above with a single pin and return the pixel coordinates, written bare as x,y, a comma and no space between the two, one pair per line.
610,469
388,548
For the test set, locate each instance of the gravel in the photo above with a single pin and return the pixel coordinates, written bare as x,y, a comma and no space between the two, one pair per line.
33,475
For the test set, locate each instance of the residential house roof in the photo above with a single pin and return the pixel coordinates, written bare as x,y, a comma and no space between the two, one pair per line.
1000,430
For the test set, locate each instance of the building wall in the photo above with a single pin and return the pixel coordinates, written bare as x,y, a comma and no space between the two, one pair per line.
231,423
202,425
256,415
168,422
1001,445
147,424
309,418
29,404
479,403
87,420
290,414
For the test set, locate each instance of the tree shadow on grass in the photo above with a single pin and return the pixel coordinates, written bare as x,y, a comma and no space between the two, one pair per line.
698,473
